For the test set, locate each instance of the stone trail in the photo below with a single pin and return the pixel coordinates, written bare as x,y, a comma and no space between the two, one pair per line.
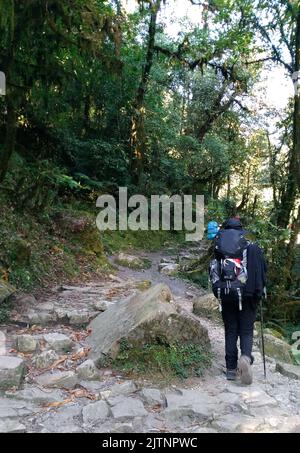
49,384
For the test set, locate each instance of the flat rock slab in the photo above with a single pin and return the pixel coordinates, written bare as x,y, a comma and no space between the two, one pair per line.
65,419
95,412
33,317
26,343
238,423
152,396
37,395
124,388
78,317
58,379
12,408
12,370
140,320
291,371
123,408
188,403
59,342
11,426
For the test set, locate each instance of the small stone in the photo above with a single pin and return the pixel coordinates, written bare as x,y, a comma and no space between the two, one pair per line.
130,261
291,371
122,428
61,313
143,285
26,343
12,370
58,379
152,396
11,426
59,342
126,408
95,412
46,306
165,261
93,386
40,318
124,388
45,359
169,269
100,305
36,395
78,318
207,306
88,371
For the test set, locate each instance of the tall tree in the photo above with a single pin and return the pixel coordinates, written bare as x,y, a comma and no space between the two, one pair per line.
138,138
279,29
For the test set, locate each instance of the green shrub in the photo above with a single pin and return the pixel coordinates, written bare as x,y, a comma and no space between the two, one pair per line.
164,359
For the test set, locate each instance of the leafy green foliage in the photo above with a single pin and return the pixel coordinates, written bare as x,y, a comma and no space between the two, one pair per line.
166,361
74,70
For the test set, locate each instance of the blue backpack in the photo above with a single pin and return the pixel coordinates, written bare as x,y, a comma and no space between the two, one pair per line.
212,230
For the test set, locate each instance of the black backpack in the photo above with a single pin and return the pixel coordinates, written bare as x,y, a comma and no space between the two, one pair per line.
228,270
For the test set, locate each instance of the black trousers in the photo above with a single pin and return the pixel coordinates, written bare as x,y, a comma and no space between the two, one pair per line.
238,324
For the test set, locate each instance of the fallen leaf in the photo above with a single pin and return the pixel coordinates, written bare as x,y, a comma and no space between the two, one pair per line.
60,403
79,355
156,408
82,393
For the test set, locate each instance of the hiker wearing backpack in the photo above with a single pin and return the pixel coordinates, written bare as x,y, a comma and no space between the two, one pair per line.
238,277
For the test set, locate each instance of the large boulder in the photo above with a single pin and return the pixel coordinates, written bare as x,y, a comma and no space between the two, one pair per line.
6,290
207,306
143,319
277,349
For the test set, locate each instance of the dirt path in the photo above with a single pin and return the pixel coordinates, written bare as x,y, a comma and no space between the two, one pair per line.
69,395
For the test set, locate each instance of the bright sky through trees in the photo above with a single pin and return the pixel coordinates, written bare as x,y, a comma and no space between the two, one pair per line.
278,87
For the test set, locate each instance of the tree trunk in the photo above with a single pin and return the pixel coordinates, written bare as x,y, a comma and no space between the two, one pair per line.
290,260
287,204
138,139
10,138
228,187
272,161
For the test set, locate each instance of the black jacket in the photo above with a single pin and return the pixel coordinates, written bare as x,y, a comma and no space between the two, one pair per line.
257,271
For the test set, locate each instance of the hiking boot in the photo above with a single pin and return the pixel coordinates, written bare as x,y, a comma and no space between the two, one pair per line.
245,370
231,375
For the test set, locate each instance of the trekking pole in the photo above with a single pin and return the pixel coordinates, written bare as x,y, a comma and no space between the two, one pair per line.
262,334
